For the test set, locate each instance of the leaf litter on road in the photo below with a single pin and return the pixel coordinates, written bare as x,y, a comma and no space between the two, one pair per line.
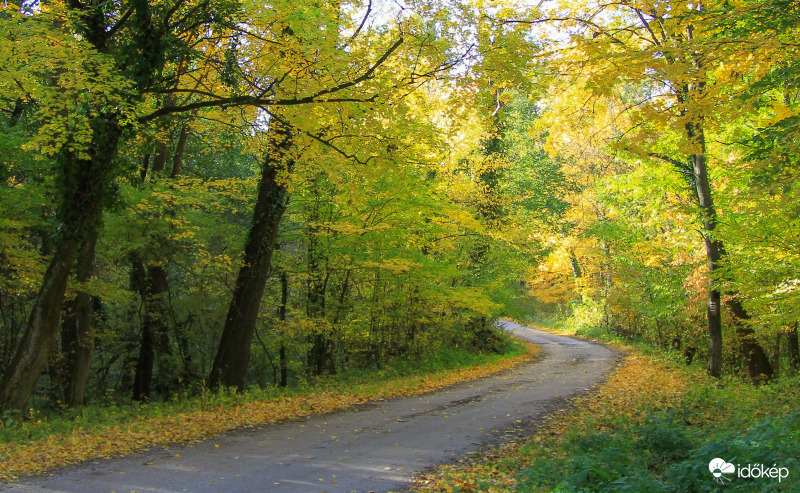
140,434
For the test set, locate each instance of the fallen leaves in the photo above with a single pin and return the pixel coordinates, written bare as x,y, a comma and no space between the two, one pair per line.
143,433
638,381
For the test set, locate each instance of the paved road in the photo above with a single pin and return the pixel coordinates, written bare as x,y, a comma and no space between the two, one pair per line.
376,446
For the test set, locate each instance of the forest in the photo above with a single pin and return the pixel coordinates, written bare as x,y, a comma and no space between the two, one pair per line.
207,194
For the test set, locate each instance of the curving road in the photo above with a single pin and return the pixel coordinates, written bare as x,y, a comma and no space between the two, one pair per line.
377,446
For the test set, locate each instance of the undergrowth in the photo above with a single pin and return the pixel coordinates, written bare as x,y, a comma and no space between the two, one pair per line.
40,442
655,425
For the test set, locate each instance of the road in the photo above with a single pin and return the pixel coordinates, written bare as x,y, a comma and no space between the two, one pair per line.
376,446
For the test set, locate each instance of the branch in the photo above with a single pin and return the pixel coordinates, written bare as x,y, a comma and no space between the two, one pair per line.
366,75
319,139
116,27
647,25
585,22
225,102
363,21
246,101
169,13
668,159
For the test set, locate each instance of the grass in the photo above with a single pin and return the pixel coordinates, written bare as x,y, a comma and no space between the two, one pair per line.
41,442
653,426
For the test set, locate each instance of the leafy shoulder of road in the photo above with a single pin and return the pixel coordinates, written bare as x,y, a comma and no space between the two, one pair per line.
36,446
654,425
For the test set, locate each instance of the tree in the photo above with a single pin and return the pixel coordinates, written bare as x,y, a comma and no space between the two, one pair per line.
667,50
122,52
233,355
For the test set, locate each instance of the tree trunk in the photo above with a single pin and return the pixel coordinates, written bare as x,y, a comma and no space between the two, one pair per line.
794,348
16,113
144,168
84,183
159,161
177,160
776,354
759,369
320,356
713,252
282,318
154,291
233,354
81,339
757,363
153,288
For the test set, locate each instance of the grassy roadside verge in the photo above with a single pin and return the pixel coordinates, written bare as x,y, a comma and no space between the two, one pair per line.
653,426
36,446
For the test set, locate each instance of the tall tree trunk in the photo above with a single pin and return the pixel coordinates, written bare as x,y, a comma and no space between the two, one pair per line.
794,348
282,317
232,360
85,182
144,167
80,349
320,355
177,160
757,363
709,217
153,288
159,161
154,291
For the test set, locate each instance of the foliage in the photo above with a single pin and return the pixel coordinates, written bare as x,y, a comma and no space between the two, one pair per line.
643,87
653,426
379,230
454,161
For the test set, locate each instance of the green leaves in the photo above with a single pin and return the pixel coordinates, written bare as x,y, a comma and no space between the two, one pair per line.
68,81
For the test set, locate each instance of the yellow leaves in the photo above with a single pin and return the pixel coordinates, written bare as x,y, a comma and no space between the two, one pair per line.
397,266
41,61
639,381
143,433
781,111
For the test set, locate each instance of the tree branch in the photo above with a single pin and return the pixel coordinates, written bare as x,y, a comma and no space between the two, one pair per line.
261,101
121,22
363,21
647,26
321,140
668,159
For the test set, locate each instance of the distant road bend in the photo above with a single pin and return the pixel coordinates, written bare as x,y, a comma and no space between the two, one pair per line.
376,446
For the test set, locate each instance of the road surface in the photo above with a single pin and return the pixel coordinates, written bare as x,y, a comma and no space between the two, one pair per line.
376,446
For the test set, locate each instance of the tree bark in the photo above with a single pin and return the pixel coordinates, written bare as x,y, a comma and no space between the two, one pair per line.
153,288
794,348
85,183
757,363
282,317
177,160
16,113
159,161
154,291
709,217
81,334
232,360
320,354
759,369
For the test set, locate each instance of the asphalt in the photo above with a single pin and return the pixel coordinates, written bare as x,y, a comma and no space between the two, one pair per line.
373,447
